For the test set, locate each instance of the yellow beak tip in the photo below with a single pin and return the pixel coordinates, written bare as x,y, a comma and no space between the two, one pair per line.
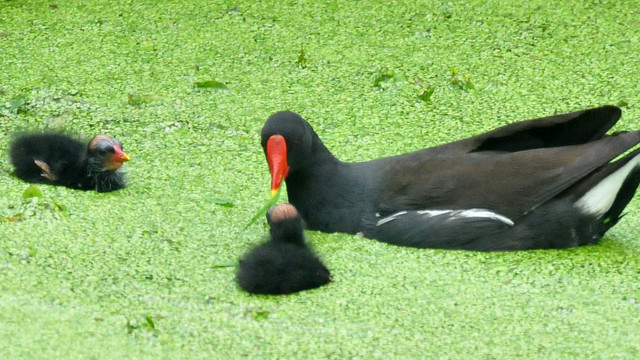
274,192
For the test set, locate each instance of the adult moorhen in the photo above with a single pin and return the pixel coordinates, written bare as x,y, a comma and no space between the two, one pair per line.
284,264
59,159
541,183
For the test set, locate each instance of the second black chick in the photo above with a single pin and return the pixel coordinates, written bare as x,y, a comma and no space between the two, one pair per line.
284,264
59,159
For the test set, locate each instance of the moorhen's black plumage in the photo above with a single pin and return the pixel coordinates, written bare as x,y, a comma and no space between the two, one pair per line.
284,264
541,183
59,159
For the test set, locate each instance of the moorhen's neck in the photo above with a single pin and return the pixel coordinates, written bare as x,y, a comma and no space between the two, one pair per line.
96,177
318,156
288,230
340,189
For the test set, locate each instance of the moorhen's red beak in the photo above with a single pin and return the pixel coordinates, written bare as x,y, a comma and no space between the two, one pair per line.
120,156
114,162
277,159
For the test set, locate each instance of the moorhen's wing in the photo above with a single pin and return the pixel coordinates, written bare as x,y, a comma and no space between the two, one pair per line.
558,130
508,183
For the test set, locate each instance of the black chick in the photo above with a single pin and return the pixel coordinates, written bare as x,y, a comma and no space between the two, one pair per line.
58,159
284,264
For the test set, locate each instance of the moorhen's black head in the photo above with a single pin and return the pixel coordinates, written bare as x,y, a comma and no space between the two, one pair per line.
287,140
286,224
106,152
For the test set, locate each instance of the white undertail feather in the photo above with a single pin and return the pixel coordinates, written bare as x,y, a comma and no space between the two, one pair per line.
600,198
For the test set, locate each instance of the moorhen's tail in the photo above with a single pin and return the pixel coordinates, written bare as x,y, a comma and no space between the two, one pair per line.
607,191
579,216
45,157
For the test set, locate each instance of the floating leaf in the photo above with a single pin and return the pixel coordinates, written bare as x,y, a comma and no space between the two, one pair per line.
623,103
150,322
211,84
32,191
263,210
16,217
224,264
261,314
222,202
135,99
256,314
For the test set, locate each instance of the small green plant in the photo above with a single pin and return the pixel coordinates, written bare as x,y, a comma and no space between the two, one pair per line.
302,59
461,79
145,323
446,11
425,94
425,91
384,77
17,105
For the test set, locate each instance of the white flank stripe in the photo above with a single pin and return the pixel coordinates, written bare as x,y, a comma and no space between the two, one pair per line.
483,213
452,215
599,199
390,218
433,212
